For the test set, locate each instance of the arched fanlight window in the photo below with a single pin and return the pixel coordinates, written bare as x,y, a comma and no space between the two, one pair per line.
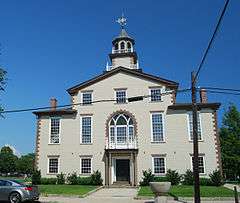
129,46
122,45
121,130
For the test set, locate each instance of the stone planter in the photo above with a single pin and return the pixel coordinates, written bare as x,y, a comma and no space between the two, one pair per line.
160,190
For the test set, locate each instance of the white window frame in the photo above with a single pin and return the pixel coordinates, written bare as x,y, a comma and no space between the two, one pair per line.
86,92
81,117
163,124
53,157
165,165
189,113
204,163
150,95
59,135
120,90
86,157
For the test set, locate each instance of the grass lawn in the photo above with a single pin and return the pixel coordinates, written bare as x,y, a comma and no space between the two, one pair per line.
66,189
187,191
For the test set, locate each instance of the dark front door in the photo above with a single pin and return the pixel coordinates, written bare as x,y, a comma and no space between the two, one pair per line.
122,170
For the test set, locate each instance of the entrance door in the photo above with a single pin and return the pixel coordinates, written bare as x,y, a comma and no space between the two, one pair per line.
122,170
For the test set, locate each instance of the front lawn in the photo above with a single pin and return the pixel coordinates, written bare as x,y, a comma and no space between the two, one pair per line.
66,189
187,191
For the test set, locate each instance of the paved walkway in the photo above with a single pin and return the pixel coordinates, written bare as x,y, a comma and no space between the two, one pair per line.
231,186
110,195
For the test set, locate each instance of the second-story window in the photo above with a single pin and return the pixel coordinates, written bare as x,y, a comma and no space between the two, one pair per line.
190,124
86,98
55,130
121,96
157,127
86,130
155,94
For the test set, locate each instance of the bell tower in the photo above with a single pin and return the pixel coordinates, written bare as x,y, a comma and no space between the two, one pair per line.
123,53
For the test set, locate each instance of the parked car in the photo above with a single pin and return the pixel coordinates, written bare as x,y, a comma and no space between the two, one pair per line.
16,192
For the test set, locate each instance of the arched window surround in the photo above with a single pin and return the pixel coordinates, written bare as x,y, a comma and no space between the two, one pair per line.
121,130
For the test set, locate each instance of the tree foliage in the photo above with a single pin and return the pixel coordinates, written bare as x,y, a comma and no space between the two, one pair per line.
25,164
230,143
7,160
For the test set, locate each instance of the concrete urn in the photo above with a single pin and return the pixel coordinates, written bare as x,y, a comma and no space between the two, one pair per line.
160,188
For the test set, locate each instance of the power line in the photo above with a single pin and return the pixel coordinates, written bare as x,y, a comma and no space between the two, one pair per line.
219,88
80,104
211,41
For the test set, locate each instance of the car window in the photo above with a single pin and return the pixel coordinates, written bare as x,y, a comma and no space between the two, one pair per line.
7,183
2,183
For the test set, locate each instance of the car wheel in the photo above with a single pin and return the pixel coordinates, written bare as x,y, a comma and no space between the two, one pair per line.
15,197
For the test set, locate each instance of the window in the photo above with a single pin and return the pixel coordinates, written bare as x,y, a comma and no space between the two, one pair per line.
116,46
201,165
122,45
86,98
86,165
121,129
190,124
129,46
86,131
55,131
155,94
157,127
121,96
159,165
53,165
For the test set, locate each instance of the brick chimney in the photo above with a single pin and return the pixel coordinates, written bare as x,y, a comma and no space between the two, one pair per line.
203,96
53,103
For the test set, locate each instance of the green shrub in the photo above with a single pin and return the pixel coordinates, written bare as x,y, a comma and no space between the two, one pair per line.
216,178
96,178
60,179
188,178
205,182
48,181
84,181
160,179
147,177
36,177
73,179
173,176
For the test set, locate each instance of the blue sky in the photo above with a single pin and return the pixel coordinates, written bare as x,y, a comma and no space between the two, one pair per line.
49,46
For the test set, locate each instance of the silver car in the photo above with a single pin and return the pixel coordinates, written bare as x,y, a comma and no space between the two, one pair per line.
15,192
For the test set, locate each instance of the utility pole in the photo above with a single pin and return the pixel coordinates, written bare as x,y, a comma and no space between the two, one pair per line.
195,140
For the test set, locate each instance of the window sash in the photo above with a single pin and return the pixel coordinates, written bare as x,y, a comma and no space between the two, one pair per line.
55,130
157,127
159,165
86,130
121,134
86,165
53,165
121,96
87,98
190,124
156,94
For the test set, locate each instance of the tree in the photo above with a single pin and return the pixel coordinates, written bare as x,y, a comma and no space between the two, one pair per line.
25,164
230,143
7,160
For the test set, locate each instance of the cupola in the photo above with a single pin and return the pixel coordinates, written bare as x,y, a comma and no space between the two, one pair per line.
123,53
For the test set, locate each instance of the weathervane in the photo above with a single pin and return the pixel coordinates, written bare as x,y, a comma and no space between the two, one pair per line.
122,21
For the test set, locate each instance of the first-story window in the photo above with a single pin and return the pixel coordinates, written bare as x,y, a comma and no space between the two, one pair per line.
86,165
121,96
53,165
157,127
201,165
159,167
190,124
55,130
86,98
86,130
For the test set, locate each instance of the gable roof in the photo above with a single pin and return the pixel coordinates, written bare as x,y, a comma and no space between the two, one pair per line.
107,74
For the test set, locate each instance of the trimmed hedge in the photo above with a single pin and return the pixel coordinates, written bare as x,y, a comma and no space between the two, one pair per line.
48,181
160,179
